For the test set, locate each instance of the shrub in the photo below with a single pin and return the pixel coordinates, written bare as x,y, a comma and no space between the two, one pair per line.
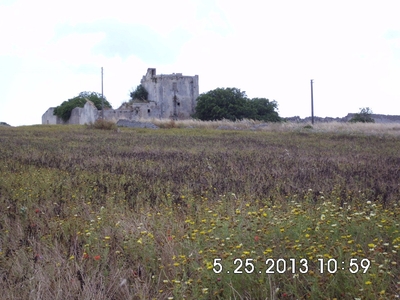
103,124
364,116
139,94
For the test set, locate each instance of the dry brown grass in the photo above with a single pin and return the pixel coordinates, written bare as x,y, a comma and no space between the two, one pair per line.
103,125
338,127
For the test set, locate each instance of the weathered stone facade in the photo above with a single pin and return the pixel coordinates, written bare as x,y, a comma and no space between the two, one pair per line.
170,96
174,95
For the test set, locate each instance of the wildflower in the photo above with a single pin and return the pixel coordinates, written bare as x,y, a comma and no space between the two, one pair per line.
322,217
85,255
72,257
256,238
268,250
96,257
368,282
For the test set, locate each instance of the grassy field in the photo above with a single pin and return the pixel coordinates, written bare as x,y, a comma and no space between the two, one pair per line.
283,212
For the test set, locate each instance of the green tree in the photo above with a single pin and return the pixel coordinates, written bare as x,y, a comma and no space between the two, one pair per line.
218,104
364,116
139,94
64,110
233,104
263,110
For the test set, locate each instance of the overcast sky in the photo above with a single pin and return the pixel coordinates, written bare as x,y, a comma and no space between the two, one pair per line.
53,50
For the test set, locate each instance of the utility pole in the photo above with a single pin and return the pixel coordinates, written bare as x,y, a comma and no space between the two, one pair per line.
102,97
312,103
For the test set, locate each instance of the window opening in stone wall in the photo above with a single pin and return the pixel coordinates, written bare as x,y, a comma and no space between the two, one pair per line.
148,110
178,103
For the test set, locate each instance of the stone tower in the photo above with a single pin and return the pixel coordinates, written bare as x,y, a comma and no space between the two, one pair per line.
174,95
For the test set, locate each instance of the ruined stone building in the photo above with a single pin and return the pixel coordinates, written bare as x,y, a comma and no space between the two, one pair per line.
170,97
173,96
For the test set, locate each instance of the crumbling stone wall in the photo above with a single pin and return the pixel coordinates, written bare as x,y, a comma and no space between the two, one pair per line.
135,111
84,115
79,115
49,118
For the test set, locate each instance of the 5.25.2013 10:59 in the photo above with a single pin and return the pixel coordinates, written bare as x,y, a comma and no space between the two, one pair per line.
292,265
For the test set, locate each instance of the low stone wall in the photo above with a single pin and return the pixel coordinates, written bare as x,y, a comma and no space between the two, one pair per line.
378,119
